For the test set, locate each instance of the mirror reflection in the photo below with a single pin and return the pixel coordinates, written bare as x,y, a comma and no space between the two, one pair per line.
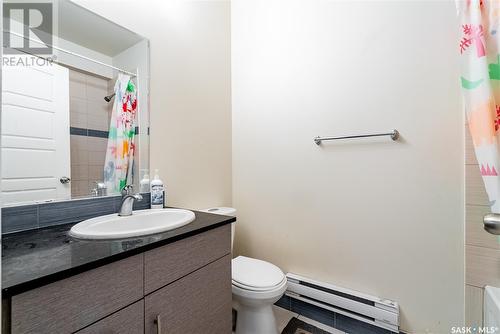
76,123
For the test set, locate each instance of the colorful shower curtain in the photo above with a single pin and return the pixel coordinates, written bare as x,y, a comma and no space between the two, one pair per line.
121,149
480,78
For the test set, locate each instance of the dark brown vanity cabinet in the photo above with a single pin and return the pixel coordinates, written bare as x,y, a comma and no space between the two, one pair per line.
129,320
182,287
197,303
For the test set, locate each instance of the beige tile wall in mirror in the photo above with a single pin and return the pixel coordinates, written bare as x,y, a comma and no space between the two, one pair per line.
88,110
482,249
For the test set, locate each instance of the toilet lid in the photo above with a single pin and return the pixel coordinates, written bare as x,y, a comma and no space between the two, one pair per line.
255,273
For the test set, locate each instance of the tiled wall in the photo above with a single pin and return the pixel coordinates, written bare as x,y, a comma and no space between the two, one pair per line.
89,121
482,250
332,319
28,217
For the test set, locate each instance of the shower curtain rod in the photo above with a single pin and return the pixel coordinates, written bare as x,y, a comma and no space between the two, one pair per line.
75,54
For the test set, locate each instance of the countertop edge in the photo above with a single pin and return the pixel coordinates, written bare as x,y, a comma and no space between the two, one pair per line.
41,281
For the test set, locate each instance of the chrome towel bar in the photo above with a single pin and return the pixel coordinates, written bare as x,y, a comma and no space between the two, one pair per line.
394,134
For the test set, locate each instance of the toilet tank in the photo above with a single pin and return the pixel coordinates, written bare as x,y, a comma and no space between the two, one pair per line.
226,211
491,306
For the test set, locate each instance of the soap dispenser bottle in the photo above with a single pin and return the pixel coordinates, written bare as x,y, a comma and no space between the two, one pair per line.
157,192
144,183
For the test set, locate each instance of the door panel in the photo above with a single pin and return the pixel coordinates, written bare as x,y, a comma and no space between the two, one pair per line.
35,133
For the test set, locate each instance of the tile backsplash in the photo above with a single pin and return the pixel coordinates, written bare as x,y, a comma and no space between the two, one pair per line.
28,217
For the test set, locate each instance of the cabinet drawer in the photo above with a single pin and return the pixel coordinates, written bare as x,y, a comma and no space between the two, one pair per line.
130,320
75,302
165,264
199,303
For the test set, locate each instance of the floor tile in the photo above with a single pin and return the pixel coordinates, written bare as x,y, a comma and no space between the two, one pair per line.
313,312
284,302
282,316
351,325
320,325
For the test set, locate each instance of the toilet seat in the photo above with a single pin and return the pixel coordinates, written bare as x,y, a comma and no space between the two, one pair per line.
276,292
252,288
256,275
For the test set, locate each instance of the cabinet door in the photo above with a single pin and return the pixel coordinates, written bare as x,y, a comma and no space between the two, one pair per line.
197,303
129,320
164,265
73,303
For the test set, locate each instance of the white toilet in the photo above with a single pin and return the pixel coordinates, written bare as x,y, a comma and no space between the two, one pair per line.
257,285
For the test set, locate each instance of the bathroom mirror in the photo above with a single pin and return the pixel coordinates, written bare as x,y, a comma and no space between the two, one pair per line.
75,106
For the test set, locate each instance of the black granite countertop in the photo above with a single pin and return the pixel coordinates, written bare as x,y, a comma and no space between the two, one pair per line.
37,257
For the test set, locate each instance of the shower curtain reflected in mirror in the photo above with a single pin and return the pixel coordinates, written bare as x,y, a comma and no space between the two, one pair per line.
118,167
480,79
478,47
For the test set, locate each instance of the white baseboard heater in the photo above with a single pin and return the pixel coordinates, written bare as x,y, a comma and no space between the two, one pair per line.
383,313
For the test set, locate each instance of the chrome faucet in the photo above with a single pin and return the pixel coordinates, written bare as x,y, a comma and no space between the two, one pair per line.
128,201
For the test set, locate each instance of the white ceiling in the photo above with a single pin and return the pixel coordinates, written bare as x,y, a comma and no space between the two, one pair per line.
83,27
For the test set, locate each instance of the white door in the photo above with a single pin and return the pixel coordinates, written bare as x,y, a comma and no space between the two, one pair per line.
35,133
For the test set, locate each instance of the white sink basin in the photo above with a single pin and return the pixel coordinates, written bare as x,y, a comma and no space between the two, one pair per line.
141,222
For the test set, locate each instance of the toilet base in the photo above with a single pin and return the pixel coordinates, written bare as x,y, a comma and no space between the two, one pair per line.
255,303
256,320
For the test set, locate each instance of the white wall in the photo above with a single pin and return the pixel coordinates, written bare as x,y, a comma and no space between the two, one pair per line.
380,217
190,93
68,59
80,63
